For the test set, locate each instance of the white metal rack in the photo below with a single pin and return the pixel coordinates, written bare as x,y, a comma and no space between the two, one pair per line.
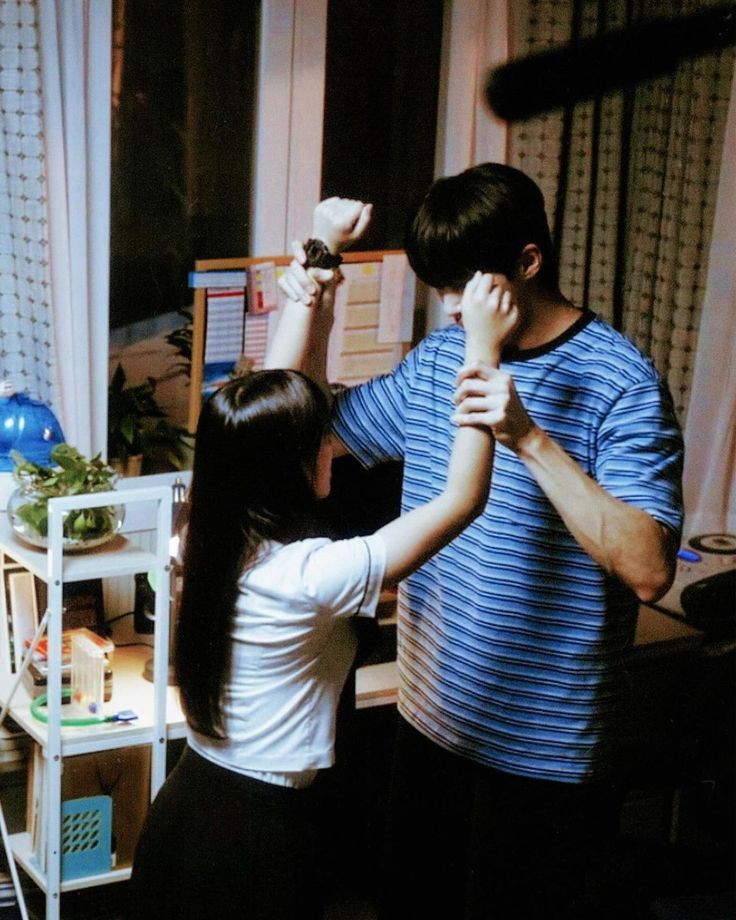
155,704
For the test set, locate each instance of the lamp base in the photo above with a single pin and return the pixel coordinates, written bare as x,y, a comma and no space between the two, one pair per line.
148,672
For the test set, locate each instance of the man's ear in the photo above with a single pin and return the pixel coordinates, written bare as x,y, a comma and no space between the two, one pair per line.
529,262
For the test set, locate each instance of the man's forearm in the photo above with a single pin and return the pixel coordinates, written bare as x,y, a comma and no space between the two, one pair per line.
626,541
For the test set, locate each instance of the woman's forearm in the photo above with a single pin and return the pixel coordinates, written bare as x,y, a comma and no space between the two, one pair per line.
301,338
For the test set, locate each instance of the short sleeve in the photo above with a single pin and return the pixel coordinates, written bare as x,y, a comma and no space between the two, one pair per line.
345,577
369,419
640,452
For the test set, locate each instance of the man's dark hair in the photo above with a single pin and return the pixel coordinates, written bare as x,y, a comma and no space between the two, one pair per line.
479,220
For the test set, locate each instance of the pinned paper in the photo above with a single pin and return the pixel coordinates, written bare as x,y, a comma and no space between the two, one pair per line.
355,352
398,295
262,289
225,324
256,340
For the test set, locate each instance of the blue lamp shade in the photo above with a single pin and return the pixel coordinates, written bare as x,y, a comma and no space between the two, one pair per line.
29,427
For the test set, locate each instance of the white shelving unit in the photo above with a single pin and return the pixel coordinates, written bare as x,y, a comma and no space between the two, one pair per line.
156,704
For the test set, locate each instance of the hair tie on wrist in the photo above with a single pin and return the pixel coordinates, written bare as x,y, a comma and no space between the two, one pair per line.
319,256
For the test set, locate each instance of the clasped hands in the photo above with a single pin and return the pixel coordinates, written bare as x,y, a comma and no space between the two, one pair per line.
485,395
338,222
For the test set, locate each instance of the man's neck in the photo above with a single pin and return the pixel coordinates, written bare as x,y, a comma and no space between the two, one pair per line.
544,318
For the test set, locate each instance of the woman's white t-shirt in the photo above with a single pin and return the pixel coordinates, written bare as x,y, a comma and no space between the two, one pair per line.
292,648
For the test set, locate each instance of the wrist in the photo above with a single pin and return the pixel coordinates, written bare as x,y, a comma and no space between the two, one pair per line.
481,352
531,444
322,253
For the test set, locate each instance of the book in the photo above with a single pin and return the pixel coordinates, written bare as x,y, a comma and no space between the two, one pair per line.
225,278
107,646
23,606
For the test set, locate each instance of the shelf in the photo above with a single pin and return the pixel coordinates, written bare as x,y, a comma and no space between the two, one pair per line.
159,715
121,556
130,690
21,844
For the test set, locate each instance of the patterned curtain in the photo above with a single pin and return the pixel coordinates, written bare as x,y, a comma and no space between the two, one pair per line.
25,307
630,181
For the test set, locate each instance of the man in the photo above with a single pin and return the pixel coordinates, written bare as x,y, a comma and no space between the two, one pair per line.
511,641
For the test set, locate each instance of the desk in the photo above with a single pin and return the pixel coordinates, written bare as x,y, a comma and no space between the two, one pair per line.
653,626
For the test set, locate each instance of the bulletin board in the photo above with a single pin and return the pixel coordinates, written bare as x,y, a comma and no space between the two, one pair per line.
237,303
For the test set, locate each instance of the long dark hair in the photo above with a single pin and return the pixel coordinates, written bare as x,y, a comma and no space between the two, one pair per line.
256,446
479,220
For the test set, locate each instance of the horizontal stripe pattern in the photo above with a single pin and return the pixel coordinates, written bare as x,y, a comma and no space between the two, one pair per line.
511,639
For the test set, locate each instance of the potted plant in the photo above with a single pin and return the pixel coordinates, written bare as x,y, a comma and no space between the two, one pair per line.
181,340
139,430
72,474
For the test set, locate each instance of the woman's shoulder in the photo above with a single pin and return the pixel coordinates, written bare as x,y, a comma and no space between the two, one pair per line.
273,553
285,557
319,572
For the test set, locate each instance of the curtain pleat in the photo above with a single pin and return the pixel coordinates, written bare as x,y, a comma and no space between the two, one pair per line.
75,43
631,180
710,434
26,337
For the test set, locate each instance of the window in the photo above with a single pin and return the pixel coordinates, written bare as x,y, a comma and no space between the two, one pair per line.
183,87
381,90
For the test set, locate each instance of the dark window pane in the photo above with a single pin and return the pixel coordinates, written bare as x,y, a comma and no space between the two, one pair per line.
181,146
382,79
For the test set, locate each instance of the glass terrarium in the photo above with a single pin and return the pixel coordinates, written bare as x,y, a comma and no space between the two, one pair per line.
73,474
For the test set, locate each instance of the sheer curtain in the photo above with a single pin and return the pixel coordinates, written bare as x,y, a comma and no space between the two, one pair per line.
710,435
54,193
26,334
75,43
631,181
476,38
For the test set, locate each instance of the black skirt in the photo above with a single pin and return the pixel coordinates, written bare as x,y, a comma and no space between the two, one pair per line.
219,844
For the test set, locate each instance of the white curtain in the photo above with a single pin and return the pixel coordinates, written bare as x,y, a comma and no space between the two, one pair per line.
475,39
710,432
26,357
75,49
289,114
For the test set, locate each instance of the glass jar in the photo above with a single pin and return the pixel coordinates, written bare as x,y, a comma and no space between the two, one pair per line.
82,529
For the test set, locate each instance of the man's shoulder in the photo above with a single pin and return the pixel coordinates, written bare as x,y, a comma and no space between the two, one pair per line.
445,345
612,351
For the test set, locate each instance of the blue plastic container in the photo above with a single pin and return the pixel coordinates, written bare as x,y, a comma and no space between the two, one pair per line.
29,427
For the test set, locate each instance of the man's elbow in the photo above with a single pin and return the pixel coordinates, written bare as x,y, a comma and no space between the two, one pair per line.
650,589
656,580
652,569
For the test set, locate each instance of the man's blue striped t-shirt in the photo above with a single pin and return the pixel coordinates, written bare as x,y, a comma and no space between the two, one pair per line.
511,639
